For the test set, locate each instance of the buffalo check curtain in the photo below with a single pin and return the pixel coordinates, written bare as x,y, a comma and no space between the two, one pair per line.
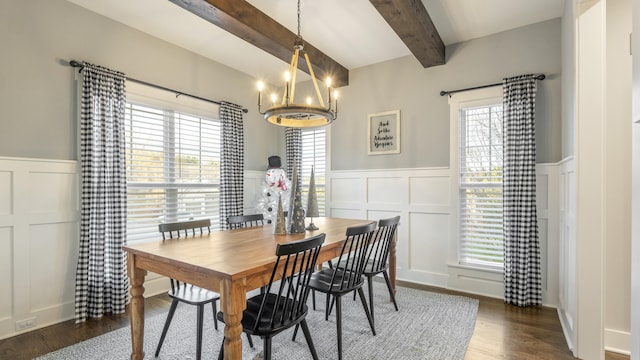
293,144
101,278
231,162
522,276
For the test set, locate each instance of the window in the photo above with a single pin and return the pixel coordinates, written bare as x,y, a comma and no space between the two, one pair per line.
480,185
314,153
173,168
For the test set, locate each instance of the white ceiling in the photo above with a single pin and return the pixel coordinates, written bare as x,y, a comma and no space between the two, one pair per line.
351,32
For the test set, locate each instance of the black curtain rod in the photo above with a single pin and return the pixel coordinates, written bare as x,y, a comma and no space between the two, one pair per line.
74,63
443,93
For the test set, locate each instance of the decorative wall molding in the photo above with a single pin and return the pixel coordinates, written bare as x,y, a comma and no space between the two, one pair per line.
567,293
39,214
426,251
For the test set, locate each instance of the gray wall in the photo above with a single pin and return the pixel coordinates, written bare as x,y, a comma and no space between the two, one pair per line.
568,80
405,85
37,89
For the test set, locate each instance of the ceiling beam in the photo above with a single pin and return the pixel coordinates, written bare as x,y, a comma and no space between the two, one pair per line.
255,27
411,21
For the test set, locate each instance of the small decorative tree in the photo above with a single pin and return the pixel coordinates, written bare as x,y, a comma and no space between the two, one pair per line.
296,212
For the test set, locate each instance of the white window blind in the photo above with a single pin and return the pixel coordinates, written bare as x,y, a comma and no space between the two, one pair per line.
314,152
173,169
480,186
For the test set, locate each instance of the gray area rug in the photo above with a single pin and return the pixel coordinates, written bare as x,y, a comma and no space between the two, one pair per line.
428,326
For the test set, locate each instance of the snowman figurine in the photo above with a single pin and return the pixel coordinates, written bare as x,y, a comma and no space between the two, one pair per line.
276,186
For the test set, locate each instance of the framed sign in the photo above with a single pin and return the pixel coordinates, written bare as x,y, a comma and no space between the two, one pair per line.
384,133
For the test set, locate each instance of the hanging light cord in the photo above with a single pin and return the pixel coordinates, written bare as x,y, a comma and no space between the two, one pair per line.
299,19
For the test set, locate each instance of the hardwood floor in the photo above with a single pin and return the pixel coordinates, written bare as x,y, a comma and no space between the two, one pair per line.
501,332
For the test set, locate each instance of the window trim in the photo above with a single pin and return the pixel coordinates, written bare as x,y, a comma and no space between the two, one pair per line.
458,101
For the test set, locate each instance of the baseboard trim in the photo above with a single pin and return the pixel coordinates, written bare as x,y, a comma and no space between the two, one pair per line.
566,329
617,341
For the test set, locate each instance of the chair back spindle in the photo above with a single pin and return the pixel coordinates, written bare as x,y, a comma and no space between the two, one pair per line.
243,221
284,301
354,256
381,245
168,229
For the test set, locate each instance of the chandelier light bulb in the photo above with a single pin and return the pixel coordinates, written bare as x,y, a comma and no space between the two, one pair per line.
273,98
260,86
328,82
308,100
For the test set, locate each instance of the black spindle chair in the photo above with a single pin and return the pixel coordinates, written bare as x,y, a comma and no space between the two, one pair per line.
283,305
184,292
378,259
338,281
243,221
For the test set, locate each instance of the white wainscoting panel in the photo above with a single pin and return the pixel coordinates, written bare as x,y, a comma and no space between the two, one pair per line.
427,248
567,277
39,214
347,213
419,196
547,201
349,191
428,191
6,273
51,192
385,190
52,260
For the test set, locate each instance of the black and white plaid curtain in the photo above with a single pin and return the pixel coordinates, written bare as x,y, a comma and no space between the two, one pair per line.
522,277
293,143
231,162
101,277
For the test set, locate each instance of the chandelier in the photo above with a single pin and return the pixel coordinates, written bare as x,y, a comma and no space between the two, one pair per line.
299,115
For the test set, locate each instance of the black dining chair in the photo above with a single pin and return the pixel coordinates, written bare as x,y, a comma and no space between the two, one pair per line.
181,292
283,305
335,282
377,260
243,221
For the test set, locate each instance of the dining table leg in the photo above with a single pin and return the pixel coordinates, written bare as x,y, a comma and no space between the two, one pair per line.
136,309
392,263
233,303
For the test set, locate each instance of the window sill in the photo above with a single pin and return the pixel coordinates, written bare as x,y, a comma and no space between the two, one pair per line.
486,269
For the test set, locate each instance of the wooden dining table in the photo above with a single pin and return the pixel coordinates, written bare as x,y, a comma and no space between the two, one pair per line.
229,262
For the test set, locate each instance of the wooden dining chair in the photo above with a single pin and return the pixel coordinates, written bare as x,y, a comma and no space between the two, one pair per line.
337,281
243,221
283,305
181,292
